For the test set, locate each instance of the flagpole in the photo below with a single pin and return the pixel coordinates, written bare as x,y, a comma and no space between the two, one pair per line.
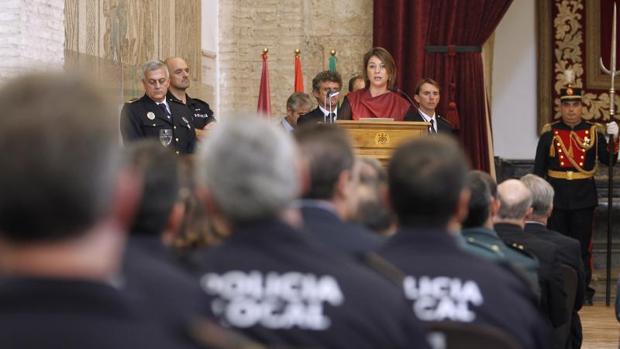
610,174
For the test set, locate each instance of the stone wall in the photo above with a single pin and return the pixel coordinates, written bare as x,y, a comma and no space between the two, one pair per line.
32,36
314,26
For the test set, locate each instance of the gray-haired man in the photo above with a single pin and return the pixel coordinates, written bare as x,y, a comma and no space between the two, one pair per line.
157,116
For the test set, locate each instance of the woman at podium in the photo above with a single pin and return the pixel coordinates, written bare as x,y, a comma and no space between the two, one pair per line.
376,100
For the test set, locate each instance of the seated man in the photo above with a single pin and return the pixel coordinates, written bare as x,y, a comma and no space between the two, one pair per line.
270,281
427,95
65,205
427,178
297,105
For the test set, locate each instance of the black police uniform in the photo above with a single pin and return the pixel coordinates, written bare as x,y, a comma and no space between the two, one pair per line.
569,166
74,314
203,115
341,237
280,287
445,283
143,118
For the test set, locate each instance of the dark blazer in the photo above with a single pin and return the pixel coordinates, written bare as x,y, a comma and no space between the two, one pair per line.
75,314
143,118
313,117
569,253
553,295
443,125
337,235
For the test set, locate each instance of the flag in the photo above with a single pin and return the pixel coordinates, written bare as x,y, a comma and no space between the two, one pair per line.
299,76
331,62
264,93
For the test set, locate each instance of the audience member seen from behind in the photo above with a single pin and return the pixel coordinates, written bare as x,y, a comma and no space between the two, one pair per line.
297,104
515,205
376,100
569,250
427,95
64,210
331,198
290,290
326,87
372,209
480,238
427,179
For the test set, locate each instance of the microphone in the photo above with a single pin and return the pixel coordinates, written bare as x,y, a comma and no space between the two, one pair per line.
406,96
332,93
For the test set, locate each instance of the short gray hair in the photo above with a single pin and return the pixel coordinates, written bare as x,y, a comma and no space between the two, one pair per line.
515,199
248,165
297,100
542,194
154,65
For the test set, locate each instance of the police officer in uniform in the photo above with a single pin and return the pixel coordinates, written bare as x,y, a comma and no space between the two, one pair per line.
179,83
427,190
567,157
157,115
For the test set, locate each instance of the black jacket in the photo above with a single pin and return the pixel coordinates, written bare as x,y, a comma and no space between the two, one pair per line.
468,288
290,290
143,118
553,295
443,126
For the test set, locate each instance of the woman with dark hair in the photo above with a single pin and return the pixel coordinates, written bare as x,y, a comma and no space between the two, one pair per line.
377,100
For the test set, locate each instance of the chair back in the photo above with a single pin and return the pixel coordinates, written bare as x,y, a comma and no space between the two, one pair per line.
452,335
562,333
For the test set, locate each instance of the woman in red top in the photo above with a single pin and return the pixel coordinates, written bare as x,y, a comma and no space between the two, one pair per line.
376,100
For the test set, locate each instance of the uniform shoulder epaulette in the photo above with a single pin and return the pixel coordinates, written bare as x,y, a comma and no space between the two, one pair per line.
133,100
485,246
599,127
548,126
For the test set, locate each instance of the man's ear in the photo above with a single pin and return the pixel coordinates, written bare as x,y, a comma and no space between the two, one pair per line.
495,204
177,213
340,189
126,197
462,205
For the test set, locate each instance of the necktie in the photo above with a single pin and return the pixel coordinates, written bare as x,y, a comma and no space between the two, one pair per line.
162,106
433,126
332,117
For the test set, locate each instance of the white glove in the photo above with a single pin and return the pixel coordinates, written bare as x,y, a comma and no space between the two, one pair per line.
612,129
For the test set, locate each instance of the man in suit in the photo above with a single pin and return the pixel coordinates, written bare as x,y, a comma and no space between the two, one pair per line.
324,84
515,205
330,200
271,281
297,104
427,95
427,178
569,250
157,115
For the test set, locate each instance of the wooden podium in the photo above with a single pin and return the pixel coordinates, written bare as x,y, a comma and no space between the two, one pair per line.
379,138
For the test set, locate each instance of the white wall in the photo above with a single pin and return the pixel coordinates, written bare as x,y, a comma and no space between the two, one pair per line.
513,106
32,36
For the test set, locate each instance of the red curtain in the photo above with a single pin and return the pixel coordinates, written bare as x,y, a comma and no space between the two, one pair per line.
448,23
400,27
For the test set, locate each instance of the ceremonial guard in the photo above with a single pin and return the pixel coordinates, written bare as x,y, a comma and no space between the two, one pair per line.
158,115
567,157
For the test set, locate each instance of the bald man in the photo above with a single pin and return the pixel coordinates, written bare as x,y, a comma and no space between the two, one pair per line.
515,205
179,83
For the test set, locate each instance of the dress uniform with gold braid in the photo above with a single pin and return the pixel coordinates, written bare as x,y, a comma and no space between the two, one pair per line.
567,157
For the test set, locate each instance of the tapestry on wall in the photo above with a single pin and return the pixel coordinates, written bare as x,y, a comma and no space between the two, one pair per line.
573,35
